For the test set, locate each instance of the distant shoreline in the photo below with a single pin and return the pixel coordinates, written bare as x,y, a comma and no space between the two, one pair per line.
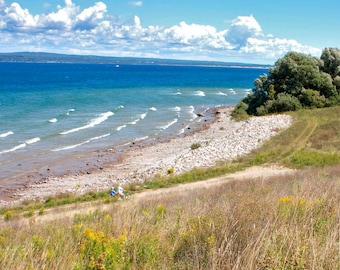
42,57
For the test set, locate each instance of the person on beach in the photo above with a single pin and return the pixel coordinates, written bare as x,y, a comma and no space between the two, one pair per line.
120,191
113,192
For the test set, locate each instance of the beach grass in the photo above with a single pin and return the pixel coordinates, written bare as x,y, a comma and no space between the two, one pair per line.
286,222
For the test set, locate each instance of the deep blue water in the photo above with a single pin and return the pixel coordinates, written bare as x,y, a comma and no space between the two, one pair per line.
49,111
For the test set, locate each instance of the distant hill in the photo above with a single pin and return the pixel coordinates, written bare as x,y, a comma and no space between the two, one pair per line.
41,57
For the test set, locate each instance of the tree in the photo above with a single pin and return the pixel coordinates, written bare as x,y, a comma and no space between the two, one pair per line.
331,61
294,72
297,80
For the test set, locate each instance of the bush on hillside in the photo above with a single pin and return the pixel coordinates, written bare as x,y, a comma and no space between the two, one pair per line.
296,81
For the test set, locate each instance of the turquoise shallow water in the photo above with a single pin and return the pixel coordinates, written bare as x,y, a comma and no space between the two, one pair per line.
51,111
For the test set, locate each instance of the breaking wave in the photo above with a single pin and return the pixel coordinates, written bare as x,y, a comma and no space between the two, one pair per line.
96,121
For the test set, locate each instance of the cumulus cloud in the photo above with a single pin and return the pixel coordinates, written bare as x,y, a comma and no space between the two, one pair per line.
92,30
15,17
242,28
89,17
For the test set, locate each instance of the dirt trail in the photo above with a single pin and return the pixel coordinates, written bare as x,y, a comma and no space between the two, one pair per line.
69,211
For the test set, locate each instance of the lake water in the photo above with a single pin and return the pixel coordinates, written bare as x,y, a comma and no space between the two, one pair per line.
51,112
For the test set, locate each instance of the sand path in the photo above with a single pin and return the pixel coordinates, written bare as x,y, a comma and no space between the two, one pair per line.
260,173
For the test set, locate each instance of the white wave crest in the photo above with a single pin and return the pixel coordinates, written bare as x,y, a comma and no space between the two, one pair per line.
6,134
120,127
134,122
23,145
221,93
140,139
153,109
169,124
80,144
34,140
199,93
143,115
232,91
176,109
93,122
53,120
192,113
69,110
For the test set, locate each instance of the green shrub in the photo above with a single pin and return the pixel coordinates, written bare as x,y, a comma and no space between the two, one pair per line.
29,213
41,211
240,111
8,215
311,98
195,146
284,103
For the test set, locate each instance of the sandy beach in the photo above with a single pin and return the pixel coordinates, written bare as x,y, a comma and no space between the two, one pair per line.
218,140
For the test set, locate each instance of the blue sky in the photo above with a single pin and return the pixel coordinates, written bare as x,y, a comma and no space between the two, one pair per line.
249,31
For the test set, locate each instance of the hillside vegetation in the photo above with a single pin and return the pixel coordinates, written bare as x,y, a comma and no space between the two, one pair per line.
296,81
286,222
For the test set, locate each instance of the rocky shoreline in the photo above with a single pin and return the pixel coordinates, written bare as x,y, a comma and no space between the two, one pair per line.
223,139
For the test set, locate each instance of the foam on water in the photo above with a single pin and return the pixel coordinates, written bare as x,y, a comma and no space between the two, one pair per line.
23,145
141,138
231,90
80,144
70,110
143,115
174,121
53,120
134,122
176,109
192,113
121,127
34,140
139,117
6,134
103,117
221,93
199,93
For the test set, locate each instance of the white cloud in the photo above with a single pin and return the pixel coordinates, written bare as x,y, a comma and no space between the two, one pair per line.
242,28
63,19
136,3
88,18
92,31
16,17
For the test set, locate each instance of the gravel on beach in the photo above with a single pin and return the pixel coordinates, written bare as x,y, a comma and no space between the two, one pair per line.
222,140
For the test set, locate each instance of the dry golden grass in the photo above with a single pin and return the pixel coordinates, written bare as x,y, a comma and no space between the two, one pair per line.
288,222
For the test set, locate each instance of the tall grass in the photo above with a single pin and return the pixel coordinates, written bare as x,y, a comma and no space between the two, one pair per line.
288,222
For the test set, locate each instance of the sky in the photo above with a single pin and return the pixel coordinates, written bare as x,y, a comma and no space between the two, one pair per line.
247,31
